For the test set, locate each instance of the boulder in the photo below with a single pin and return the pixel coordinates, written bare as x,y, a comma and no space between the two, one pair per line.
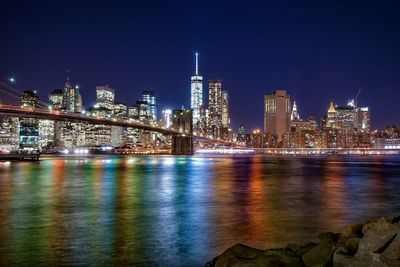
393,249
241,255
342,260
349,232
351,245
299,250
238,251
374,260
378,236
320,255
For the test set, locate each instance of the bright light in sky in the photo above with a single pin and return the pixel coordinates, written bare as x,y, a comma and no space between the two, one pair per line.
11,79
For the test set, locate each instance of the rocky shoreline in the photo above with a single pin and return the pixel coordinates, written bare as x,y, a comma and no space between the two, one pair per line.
370,243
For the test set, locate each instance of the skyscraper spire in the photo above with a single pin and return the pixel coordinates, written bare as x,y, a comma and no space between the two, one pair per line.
295,115
197,64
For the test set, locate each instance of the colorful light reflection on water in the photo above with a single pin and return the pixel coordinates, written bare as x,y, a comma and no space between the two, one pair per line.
171,211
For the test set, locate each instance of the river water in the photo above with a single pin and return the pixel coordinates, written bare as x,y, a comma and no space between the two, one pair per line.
182,211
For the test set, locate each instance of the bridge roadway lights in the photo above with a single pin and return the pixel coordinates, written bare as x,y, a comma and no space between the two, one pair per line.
182,145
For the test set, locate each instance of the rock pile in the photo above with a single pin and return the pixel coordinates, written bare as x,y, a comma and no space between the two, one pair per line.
371,243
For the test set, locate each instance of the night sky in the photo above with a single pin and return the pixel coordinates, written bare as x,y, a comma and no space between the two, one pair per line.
319,51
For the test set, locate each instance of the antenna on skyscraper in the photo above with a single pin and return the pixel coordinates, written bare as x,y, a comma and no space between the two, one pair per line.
197,63
356,99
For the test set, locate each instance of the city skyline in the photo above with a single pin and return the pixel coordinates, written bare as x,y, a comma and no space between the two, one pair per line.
319,53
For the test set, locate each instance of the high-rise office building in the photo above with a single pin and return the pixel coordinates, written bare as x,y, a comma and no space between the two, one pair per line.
277,113
331,120
105,97
120,111
29,127
226,121
241,137
56,99
196,100
72,99
166,120
215,108
9,133
363,119
346,117
150,98
29,99
295,114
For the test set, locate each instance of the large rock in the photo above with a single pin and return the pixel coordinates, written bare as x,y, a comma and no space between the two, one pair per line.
393,249
238,251
378,236
374,260
342,260
241,255
299,250
349,232
320,255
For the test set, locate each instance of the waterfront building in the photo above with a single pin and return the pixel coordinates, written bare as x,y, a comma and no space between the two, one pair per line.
72,99
98,134
215,108
196,93
241,136
150,98
120,112
298,125
56,99
139,112
29,127
9,133
258,139
277,113
46,134
363,119
73,134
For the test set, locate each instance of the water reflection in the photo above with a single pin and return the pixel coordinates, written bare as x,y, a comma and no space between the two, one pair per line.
170,211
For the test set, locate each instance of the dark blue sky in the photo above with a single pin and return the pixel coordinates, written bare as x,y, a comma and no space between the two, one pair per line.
318,51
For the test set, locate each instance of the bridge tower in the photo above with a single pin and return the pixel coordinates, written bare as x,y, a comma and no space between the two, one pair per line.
182,121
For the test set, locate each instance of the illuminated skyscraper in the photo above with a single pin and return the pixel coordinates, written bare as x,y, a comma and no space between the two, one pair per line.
166,120
150,98
215,108
56,99
105,97
295,115
72,100
363,119
331,120
196,100
277,113
29,127
226,121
